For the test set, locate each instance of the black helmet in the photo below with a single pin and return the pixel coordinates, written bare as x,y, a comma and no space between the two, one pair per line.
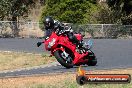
48,22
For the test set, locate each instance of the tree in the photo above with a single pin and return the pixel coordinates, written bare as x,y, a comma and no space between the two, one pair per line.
123,9
14,9
4,8
71,11
18,8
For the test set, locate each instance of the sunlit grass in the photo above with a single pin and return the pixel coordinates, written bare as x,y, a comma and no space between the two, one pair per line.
14,60
64,80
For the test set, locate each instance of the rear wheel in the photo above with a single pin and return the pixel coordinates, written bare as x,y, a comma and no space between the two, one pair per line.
64,60
92,60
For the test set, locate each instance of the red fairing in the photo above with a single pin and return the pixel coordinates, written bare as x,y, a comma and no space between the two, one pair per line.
79,36
62,43
46,42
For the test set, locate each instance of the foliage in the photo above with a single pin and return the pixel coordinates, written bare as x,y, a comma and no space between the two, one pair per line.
19,7
124,6
4,8
122,9
71,11
12,9
107,16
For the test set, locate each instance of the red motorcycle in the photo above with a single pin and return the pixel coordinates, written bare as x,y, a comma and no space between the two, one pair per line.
66,53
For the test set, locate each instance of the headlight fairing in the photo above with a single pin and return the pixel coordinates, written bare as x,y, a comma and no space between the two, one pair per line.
51,43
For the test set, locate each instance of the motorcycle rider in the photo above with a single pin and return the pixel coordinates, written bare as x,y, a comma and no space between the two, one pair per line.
56,26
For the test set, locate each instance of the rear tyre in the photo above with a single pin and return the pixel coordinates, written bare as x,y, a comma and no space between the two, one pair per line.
92,60
61,60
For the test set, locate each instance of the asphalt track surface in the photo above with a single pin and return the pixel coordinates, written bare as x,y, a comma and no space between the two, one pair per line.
111,54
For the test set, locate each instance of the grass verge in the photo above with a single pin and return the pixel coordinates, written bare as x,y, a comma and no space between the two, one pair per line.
16,60
64,80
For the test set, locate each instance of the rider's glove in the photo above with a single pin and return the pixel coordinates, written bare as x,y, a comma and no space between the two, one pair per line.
39,43
46,38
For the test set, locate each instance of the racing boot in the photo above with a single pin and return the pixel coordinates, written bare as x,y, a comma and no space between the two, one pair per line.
79,44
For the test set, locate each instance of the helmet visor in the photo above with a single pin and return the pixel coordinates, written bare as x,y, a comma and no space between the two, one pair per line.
47,24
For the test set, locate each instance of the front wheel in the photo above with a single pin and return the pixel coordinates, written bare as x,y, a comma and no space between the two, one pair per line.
63,60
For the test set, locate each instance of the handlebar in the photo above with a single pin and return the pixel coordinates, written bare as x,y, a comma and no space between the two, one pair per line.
39,44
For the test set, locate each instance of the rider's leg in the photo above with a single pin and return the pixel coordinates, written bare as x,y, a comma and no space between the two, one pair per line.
79,44
74,40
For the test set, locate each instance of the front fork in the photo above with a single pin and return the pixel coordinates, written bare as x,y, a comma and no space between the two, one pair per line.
64,54
67,56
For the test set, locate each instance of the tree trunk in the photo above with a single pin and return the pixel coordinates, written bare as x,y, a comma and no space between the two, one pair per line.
15,26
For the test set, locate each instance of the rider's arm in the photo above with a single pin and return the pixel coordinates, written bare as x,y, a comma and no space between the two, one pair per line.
47,33
59,28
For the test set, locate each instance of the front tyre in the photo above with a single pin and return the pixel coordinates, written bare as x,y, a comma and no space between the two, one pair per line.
62,60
